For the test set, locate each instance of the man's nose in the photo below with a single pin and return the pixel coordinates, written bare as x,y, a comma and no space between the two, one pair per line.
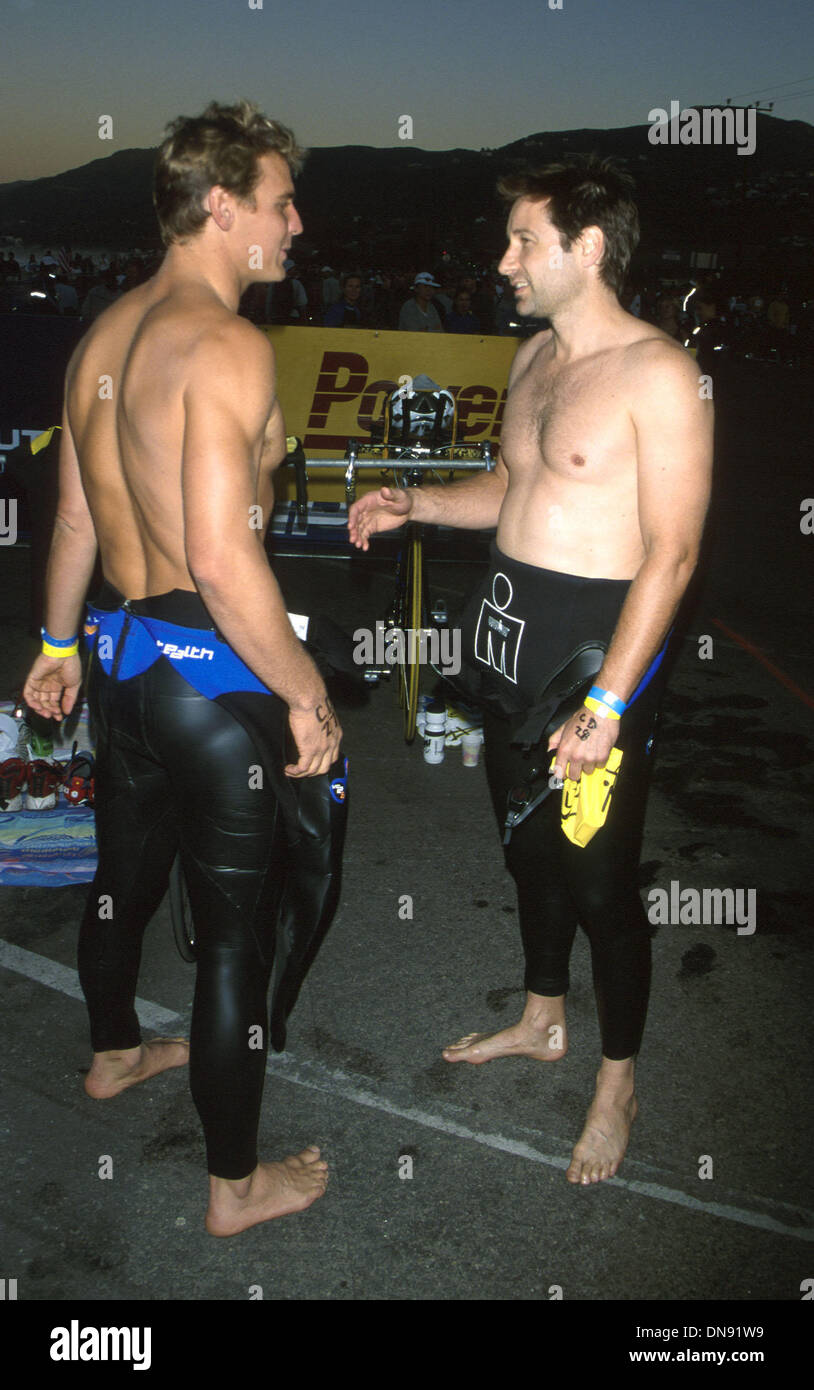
506,264
294,222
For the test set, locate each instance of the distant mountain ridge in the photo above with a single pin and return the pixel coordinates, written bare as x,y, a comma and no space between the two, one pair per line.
407,204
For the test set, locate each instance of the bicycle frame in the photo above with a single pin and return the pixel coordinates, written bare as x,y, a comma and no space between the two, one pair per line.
410,600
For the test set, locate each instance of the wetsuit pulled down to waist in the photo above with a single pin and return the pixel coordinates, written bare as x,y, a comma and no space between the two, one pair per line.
177,772
523,623
522,628
130,635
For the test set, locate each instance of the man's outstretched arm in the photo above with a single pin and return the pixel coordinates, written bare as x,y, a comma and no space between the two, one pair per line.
474,503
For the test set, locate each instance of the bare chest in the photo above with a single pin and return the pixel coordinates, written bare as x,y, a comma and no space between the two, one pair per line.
573,421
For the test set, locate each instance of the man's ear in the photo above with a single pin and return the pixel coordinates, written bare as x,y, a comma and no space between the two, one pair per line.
590,245
221,204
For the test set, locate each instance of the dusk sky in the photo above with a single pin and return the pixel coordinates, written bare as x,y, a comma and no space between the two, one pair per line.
470,73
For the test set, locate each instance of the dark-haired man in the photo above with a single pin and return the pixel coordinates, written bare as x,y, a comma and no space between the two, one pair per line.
599,497
171,433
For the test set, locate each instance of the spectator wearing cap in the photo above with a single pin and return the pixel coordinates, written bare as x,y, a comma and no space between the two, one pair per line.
331,289
419,314
346,312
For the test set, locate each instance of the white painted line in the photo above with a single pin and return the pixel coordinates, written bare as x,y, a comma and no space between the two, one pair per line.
316,1077
319,1078
55,976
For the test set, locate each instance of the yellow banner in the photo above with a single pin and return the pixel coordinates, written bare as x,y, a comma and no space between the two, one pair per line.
334,382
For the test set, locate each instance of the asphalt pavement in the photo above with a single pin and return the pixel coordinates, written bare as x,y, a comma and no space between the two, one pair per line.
448,1182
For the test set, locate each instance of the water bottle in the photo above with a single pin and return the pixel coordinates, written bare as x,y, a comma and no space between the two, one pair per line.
435,732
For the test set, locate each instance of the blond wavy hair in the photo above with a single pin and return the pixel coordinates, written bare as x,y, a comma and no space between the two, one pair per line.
223,146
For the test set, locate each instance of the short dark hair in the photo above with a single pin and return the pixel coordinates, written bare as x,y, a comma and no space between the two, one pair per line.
223,146
585,192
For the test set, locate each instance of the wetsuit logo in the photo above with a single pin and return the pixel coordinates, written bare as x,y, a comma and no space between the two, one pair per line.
177,653
498,634
339,785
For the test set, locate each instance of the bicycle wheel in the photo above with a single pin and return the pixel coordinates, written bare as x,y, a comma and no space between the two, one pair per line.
410,666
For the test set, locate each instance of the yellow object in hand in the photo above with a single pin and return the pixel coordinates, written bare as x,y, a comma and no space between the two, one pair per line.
585,803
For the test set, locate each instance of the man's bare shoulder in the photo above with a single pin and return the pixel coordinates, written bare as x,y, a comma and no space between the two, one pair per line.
527,353
234,338
227,348
654,357
111,335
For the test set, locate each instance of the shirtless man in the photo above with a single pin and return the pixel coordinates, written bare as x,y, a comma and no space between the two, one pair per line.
170,435
599,497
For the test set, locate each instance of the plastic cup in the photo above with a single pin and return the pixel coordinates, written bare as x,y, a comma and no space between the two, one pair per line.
471,746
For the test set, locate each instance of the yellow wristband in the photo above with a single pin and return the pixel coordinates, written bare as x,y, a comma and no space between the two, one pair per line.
60,652
599,707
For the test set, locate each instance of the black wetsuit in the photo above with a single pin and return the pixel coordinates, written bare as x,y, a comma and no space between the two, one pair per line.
522,623
177,769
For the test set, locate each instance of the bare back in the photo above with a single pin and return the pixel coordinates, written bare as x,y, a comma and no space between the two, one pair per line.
569,442
125,402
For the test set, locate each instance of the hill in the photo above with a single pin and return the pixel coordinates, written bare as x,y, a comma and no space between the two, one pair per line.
409,205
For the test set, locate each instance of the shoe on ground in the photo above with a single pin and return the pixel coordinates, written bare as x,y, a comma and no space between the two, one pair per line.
13,778
78,782
44,782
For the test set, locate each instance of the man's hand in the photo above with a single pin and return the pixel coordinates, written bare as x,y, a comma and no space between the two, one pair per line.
583,744
384,510
52,685
317,735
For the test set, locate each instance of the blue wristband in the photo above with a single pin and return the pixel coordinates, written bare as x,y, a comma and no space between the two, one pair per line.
65,642
608,698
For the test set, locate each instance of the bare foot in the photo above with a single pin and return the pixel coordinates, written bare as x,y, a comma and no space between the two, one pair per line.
540,1034
602,1144
273,1189
112,1072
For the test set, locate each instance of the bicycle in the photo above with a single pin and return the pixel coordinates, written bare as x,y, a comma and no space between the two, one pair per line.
410,608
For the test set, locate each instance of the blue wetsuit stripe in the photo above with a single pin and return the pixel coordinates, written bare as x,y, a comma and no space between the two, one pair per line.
651,670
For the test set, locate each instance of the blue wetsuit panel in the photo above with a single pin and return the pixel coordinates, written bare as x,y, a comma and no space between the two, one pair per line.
205,662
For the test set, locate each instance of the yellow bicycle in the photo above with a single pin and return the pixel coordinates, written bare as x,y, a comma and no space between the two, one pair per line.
411,615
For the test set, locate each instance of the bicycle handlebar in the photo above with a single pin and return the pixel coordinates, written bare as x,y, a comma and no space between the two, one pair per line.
430,465
412,458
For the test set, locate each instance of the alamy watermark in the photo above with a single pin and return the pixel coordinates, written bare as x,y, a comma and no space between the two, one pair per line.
103,1344
703,907
439,647
707,125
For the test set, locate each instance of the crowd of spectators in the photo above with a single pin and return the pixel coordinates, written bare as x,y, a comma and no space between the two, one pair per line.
447,299
62,282
715,314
